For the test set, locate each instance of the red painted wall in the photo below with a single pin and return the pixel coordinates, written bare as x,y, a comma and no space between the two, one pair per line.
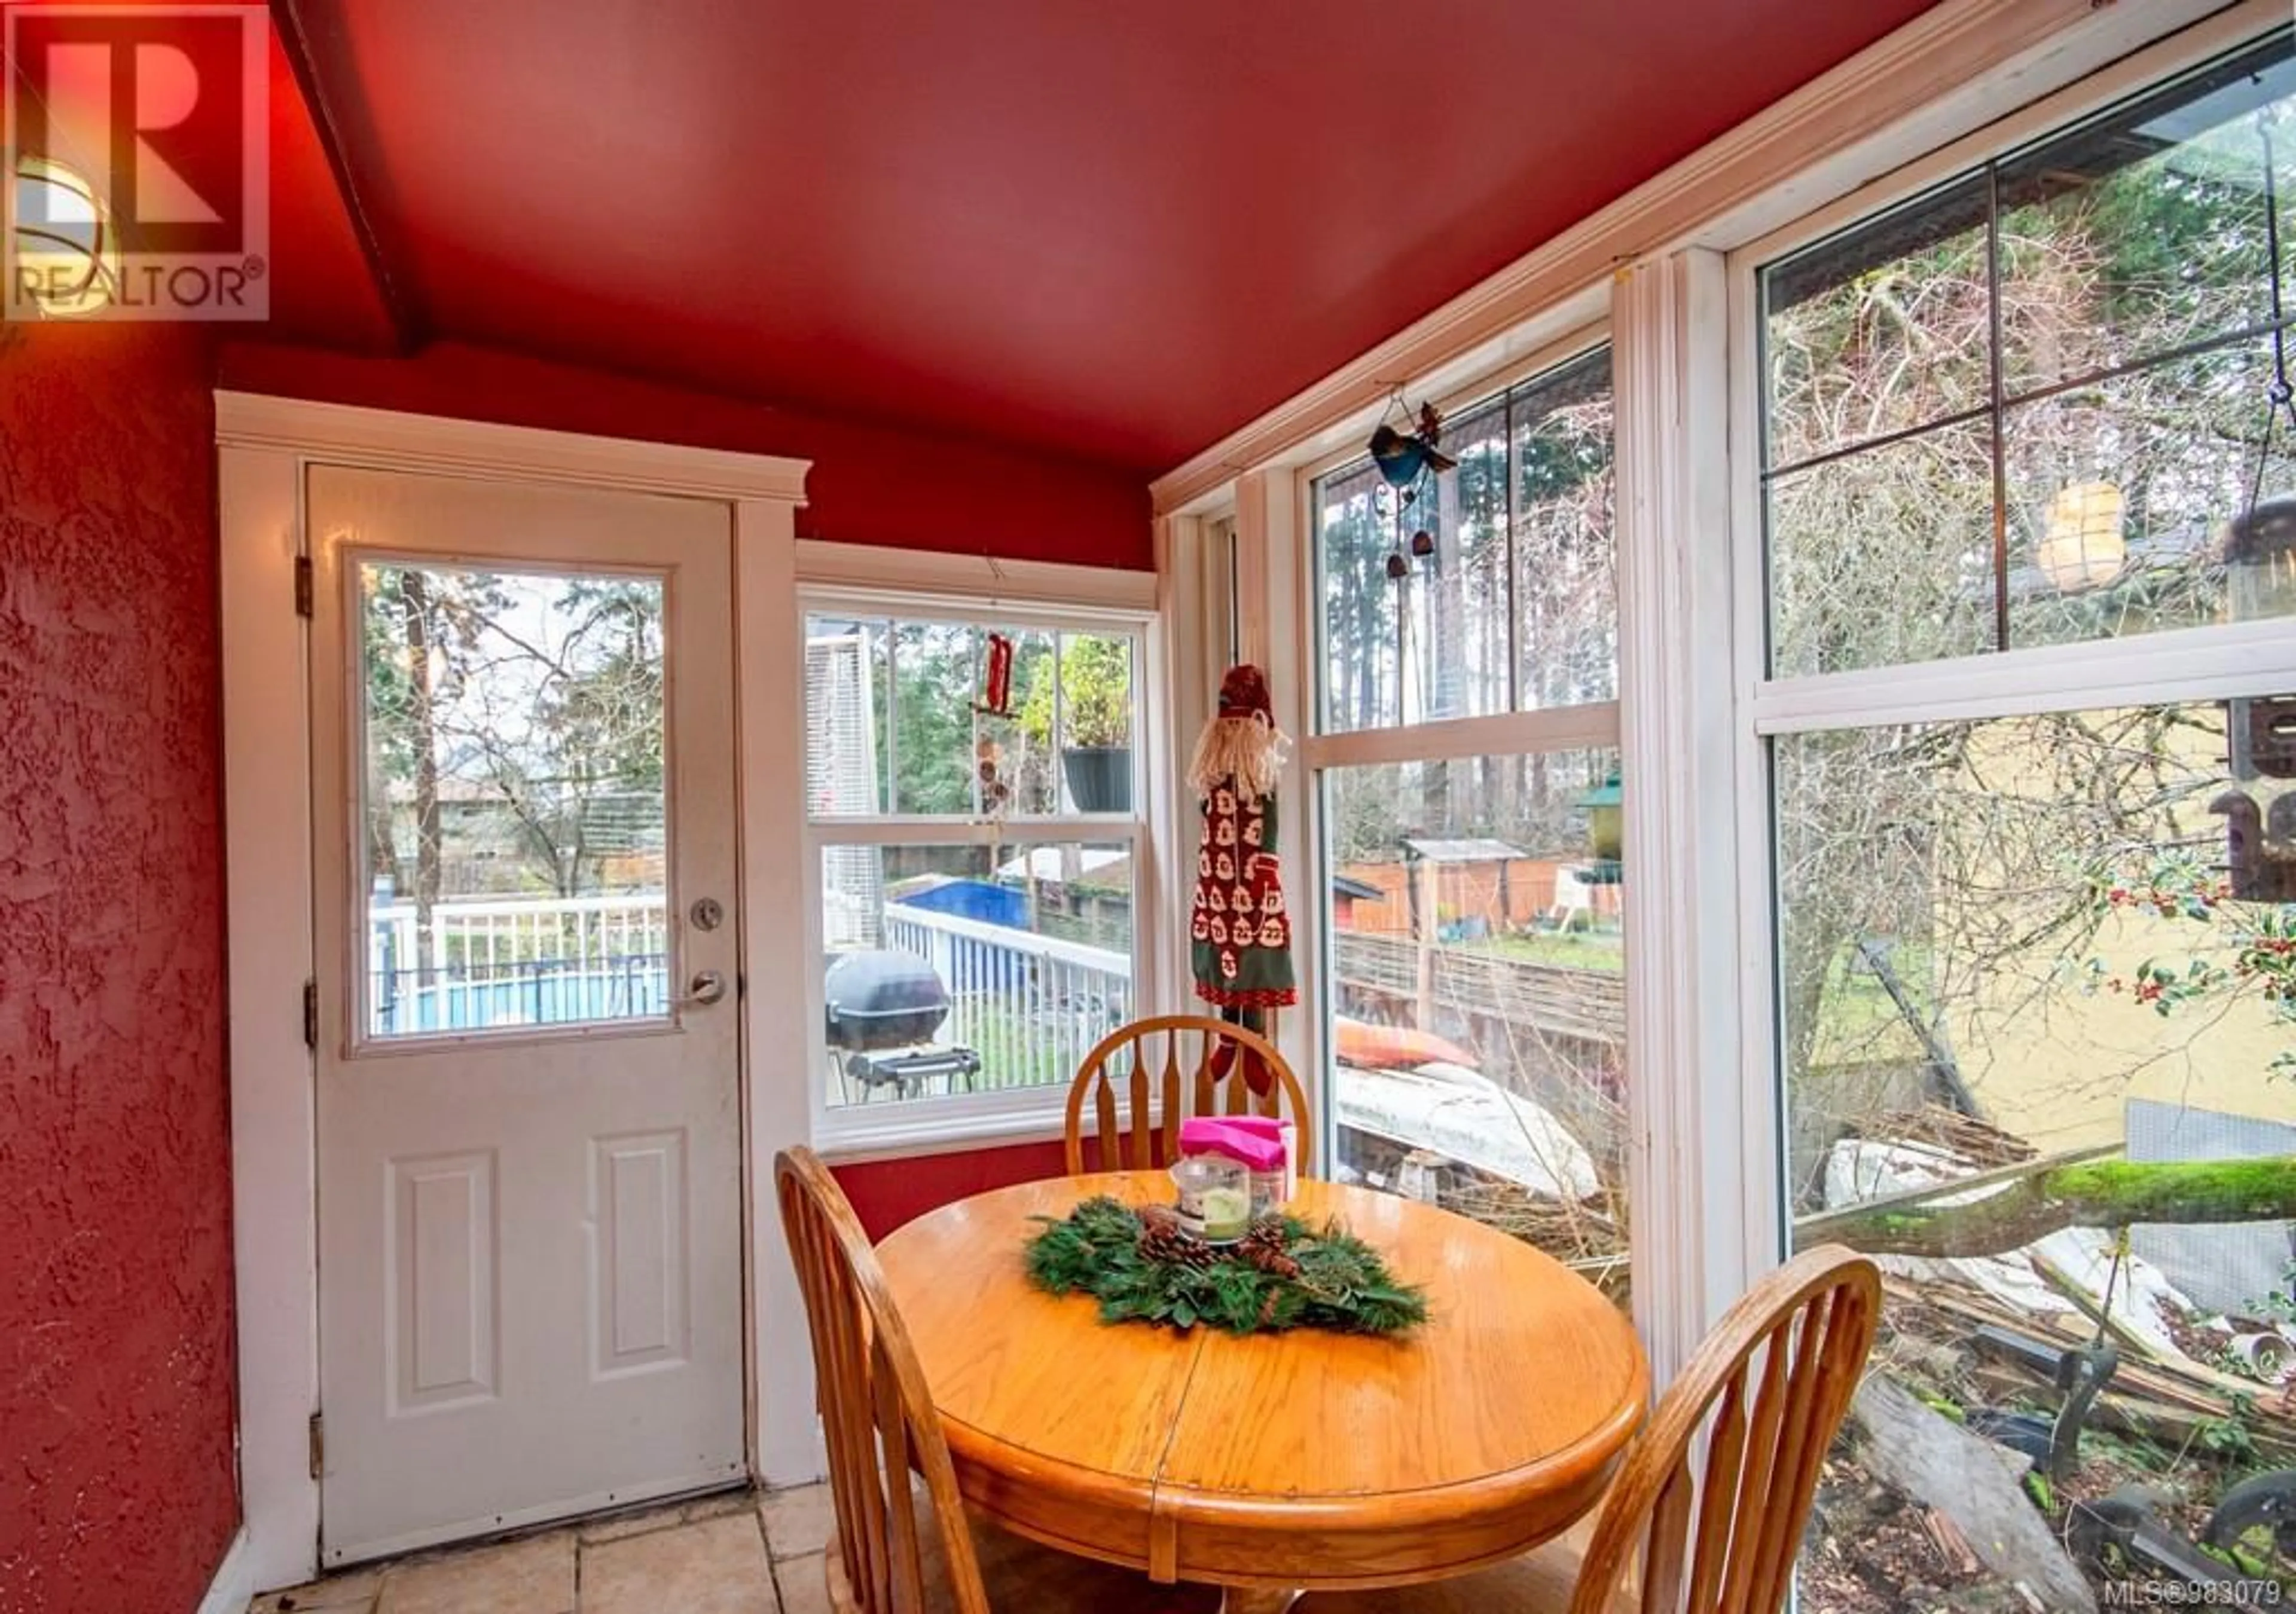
886,1193
869,484
119,1485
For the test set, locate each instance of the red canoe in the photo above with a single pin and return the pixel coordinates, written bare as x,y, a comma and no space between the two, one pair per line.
1369,1047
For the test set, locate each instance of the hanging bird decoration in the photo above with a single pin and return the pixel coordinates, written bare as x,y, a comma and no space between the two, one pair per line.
1403,458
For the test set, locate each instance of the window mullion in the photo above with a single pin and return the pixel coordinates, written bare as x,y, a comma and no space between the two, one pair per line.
1697,1137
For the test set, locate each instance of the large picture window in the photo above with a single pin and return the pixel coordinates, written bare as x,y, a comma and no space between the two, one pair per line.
1467,768
2036,1046
973,796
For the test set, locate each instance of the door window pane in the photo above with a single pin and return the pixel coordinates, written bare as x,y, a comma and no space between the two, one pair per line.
1477,985
512,815
2027,950
952,970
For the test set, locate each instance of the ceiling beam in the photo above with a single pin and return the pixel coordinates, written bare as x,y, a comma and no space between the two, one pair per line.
409,330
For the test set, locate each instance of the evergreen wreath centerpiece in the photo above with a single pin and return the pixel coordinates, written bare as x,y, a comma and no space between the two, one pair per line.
1142,1265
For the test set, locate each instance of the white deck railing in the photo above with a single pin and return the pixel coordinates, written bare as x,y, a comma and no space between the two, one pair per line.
1031,1006
515,960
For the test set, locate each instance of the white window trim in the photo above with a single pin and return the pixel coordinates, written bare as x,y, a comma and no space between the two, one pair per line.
1071,599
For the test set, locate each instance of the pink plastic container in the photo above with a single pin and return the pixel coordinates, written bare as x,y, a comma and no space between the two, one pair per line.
1242,1139
1285,1133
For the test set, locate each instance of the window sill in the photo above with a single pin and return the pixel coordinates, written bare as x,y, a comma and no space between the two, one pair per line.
855,1137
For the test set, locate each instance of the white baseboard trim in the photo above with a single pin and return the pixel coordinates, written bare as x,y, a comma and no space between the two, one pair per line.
233,1586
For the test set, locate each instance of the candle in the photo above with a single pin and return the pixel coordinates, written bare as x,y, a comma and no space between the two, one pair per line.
1226,1212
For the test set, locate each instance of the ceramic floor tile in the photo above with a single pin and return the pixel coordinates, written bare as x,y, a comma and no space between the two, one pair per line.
804,1584
640,1523
725,1502
617,1526
531,1577
798,1520
352,1593
715,1567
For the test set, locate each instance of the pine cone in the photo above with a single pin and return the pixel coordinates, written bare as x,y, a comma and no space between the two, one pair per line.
1163,1242
1263,1248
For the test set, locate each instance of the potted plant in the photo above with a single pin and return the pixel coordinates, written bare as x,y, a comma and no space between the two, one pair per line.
1095,719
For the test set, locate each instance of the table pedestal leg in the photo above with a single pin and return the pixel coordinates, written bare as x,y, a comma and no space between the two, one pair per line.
1245,1600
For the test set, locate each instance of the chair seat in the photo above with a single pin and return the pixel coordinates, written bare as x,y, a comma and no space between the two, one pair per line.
1538,1582
1027,1578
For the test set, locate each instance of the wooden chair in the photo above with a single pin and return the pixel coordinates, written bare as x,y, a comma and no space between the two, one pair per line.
1769,1388
903,1544
1152,1060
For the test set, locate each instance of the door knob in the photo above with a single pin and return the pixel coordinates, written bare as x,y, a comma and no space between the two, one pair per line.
707,986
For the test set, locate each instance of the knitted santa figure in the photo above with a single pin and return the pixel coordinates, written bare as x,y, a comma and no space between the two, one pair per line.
1241,933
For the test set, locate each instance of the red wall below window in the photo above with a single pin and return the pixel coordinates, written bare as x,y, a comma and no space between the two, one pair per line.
117,1481
886,1193
868,485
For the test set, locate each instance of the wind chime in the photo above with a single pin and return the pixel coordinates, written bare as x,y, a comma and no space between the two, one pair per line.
1405,460
987,758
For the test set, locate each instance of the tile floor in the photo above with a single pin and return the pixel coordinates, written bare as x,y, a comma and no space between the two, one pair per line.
739,1553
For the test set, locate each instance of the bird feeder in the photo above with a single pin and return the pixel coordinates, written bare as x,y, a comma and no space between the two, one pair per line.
2260,563
1606,832
2261,835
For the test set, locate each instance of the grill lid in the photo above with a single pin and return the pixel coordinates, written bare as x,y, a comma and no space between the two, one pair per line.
881,997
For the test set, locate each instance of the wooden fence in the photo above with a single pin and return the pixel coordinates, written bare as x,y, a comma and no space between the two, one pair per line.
1556,999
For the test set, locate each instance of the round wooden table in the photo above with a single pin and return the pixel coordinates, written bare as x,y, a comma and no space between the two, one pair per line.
1273,1463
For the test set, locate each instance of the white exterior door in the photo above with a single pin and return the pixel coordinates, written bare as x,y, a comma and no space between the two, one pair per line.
528,1144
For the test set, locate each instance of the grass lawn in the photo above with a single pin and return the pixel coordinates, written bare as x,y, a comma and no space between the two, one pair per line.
1597,950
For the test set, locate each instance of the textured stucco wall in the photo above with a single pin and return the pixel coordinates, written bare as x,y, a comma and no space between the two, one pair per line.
118,1483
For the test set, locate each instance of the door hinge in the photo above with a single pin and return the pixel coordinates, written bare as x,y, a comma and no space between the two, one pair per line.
318,1445
303,586
311,1015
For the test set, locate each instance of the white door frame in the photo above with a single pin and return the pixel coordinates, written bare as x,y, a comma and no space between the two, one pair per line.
263,445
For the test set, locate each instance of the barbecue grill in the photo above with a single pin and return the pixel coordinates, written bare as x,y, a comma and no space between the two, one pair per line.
884,1007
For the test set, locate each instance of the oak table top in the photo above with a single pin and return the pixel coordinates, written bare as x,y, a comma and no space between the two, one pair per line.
1273,1462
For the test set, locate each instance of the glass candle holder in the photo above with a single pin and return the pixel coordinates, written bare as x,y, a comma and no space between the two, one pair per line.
1215,1196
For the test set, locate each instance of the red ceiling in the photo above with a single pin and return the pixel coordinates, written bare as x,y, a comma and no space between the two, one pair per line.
1111,231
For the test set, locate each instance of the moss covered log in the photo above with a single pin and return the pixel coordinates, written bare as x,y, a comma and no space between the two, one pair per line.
2096,1194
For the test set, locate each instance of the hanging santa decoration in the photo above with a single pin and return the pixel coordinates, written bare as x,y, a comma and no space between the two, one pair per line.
1239,930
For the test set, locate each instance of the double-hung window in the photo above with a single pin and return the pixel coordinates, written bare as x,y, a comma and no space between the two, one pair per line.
1464,757
2026,723
976,821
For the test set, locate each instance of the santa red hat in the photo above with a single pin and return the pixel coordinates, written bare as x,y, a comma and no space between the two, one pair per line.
1243,693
